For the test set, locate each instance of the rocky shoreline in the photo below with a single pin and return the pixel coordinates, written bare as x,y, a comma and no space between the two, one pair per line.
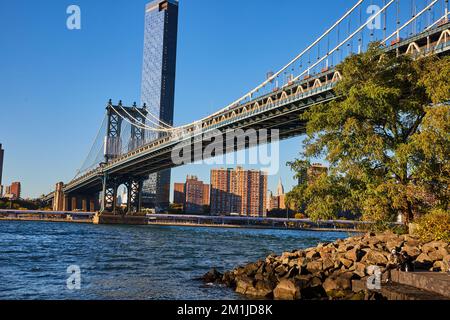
329,270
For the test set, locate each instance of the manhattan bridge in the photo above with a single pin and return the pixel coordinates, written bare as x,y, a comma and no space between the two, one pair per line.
133,143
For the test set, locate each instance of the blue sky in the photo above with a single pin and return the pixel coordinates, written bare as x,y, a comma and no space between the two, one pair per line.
55,82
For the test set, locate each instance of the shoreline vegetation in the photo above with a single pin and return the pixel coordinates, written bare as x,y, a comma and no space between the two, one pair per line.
335,271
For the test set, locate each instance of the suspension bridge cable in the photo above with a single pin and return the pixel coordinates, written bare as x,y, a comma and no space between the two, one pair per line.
159,120
411,20
152,121
137,123
92,148
275,75
349,37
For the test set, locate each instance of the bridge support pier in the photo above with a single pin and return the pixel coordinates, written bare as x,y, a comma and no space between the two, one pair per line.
91,204
109,195
134,196
74,204
66,203
109,210
84,207
58,199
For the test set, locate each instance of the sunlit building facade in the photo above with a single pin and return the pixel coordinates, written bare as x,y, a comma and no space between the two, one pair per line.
238,191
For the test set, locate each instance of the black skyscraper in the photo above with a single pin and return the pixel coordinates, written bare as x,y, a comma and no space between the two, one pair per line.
158,84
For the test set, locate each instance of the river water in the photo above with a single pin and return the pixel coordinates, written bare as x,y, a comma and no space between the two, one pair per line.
132,262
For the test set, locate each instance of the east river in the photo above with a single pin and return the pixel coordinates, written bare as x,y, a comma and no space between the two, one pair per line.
131,262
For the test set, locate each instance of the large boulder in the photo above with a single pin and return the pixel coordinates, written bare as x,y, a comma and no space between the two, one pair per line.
287,289
281,270
423,262
251,268
434,245
294,271
212,276
412,251
298,262
411,241
338,282
327,264
375,257
244,285
355,254
360,269
287,256
437,254
346,262
446,263
314,266
228,279
262,289
394,244
312,254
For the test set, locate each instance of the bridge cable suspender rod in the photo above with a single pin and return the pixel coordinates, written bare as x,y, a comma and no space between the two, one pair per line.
346,40
445,16
275,75
397,32
364,25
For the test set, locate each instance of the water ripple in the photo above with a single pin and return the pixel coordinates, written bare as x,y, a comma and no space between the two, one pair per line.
127,262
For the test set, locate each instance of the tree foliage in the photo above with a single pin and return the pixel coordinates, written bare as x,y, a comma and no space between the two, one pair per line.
386,138
434,226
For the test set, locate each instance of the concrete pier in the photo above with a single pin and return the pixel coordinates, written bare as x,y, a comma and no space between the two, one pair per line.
120,219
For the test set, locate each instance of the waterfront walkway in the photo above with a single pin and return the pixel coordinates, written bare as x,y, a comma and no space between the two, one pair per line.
193,220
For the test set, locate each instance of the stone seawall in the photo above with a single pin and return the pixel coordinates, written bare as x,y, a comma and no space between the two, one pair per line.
328,270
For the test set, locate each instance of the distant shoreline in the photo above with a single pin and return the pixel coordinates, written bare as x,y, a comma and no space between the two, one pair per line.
229,226
191,225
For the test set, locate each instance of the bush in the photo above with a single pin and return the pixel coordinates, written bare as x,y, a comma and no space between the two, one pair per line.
434,225
300,216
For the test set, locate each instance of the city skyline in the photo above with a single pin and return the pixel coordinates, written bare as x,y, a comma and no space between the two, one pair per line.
39,175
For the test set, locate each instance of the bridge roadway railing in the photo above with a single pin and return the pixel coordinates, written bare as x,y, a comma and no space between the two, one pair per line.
263,104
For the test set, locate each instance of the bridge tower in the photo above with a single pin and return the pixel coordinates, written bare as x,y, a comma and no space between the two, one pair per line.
58,200
113,149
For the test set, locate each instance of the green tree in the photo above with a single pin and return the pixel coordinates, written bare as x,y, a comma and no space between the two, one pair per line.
381,136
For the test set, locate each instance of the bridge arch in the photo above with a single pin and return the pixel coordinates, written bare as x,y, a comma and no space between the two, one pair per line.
412,48
317,83
444,37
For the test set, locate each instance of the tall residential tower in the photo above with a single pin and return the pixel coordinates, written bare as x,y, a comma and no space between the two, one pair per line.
238,191
1,169
158,84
